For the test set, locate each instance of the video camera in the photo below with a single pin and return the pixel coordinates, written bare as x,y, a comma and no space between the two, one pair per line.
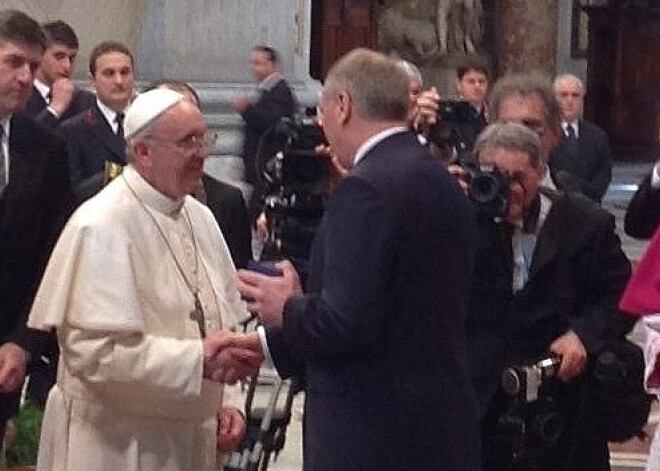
294,182
533,423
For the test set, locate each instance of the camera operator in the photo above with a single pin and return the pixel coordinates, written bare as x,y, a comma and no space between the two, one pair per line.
549,271
459,122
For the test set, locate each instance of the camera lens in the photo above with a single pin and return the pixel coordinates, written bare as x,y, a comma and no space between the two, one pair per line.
548,427
511,381
484,188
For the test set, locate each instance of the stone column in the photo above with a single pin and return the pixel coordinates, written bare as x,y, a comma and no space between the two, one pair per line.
527,36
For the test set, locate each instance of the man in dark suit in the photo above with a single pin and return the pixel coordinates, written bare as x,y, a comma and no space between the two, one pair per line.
380,333
229,210
547,281
95,136
34,201
54,98
275,101
584,148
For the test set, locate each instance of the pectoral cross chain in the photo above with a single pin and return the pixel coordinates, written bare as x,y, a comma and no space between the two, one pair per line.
197,315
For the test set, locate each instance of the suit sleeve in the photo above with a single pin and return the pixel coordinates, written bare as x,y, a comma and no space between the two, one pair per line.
58,206
643,212
347,316
608,271
596,186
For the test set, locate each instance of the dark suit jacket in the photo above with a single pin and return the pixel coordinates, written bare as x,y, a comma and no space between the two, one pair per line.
36,107
228,207
643,213
590,162
578,273
33,210
91,142
271,106
381,332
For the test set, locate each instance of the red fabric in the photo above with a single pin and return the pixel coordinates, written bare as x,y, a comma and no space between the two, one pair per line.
642,295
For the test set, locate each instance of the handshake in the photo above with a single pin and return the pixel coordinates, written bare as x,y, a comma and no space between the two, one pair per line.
230,357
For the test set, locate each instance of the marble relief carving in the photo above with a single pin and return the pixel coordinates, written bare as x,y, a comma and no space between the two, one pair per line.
422,30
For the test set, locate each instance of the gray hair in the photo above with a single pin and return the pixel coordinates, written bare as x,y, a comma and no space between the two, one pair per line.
411,70
526,85
571,79
513,137
379,88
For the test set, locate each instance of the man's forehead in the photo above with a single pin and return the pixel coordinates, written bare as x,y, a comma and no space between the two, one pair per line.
519,107
22,48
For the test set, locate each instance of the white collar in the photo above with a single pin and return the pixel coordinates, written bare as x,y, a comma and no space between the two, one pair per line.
109,114
150,195
4,124
42,88
269,82
375,139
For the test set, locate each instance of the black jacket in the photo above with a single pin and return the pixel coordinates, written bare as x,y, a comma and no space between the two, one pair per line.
91,142
37,108
33,209
578,272
380,336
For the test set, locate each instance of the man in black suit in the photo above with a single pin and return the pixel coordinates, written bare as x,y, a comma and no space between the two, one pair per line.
34,201
584,148
95,136
54,98
380,334
275,101
548,278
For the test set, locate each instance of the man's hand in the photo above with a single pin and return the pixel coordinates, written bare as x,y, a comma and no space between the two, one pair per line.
573,355
461,175
229,357
231,429
240,103
426,110
12,367
266,295
61,95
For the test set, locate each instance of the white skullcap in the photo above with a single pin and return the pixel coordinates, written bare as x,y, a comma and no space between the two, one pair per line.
147,107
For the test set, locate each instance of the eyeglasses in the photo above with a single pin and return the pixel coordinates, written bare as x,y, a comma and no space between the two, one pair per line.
191,142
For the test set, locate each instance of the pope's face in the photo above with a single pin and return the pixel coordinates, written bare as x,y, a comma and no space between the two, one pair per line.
178,146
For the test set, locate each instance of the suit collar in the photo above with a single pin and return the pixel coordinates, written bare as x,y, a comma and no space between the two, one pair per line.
101,128
374,140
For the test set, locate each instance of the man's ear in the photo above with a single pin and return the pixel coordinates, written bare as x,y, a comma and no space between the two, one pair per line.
344,106
142,154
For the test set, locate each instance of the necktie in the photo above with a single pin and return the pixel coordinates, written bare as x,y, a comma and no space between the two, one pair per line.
3,163
570,132
120,124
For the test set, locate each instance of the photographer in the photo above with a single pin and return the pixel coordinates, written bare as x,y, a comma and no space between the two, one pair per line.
460,121
549,271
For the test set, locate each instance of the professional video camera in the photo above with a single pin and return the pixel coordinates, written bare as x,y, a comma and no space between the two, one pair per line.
488,187
294,182
533,423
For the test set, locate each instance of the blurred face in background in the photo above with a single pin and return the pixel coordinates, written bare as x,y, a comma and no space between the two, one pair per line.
113,80
571,99
261,65
58,62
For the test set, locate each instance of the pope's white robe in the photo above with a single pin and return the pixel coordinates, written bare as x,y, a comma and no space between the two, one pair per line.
129,392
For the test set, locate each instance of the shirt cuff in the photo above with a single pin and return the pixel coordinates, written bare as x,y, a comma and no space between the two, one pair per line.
655,177
261,332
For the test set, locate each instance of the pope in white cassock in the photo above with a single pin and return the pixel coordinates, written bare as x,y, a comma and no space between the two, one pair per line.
138,286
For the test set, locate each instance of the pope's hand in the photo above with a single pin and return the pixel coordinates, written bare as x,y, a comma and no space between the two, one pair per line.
231,429
12,367
229,356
